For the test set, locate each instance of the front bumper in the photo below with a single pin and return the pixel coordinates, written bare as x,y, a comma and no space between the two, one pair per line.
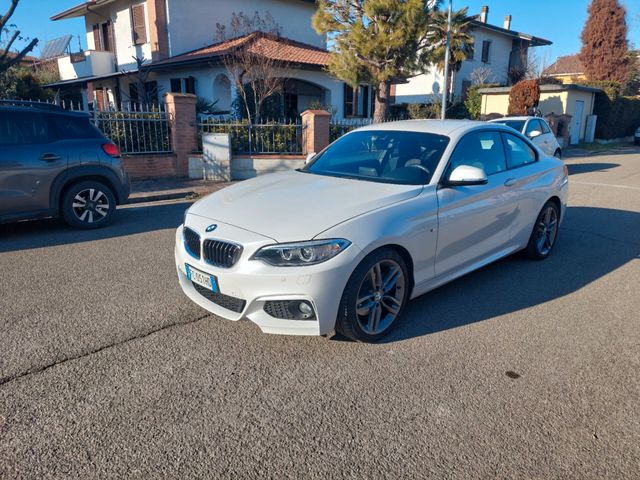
256,282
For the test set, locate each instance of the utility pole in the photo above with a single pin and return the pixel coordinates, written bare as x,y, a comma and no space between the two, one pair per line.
445,88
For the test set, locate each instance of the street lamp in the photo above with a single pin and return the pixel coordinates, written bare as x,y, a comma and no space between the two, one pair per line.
443,113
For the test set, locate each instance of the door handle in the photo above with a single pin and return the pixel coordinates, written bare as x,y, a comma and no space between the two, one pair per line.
50,157
509,182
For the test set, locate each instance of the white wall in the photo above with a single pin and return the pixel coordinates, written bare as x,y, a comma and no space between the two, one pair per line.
95,63
119,13
426,87
192,23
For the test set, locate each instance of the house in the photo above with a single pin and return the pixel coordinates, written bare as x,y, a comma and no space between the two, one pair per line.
567,99
567,69
498,50
176,40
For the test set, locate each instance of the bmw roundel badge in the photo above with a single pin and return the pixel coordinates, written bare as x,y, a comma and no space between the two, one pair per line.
211,227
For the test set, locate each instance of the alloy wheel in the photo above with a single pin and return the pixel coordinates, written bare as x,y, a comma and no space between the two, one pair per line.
547,230
380,297
90,205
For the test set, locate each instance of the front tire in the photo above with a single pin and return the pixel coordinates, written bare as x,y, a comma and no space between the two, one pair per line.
88,205
374,297
545,232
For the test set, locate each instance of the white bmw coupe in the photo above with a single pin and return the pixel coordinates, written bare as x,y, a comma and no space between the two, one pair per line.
384,214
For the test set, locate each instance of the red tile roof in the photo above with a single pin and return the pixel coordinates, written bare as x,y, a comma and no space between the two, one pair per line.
259,43
567,65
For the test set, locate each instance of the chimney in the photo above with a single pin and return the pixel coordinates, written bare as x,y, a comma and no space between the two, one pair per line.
507,22
484,14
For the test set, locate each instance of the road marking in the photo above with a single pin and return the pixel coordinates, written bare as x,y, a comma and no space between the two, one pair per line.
628,187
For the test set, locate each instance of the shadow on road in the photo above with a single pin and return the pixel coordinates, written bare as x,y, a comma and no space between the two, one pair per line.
577,168
516,283
127,221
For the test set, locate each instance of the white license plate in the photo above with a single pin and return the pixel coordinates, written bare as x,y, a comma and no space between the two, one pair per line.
203,279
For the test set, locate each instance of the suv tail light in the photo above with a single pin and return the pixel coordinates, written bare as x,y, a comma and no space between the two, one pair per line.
566,170
111,149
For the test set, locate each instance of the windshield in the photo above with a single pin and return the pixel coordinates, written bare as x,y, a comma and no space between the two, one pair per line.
388,156
515,124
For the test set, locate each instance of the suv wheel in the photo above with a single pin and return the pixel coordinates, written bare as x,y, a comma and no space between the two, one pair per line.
88,205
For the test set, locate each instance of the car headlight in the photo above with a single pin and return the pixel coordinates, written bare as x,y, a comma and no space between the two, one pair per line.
301,253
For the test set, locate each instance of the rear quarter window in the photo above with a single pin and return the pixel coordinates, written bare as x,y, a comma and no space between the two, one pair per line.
72,128
24,128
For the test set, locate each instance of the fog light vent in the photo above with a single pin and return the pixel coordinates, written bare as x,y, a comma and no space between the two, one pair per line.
290,309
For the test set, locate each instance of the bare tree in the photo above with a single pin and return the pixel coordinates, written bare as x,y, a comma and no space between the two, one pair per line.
6,60
482,75
146,95
255,74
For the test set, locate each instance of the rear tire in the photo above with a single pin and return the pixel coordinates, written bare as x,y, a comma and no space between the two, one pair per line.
374,298
87,205
545,232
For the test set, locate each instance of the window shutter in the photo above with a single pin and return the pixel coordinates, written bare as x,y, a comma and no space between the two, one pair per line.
190,85
109,44
176,85
486,46
348,101
96,37
138,26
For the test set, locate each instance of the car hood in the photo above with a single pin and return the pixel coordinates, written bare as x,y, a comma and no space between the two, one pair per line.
293,206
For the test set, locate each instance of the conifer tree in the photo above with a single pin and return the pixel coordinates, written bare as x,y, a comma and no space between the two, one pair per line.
605,48
376,41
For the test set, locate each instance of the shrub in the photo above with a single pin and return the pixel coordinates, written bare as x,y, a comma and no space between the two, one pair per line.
524,97
423,110
618,116
473,102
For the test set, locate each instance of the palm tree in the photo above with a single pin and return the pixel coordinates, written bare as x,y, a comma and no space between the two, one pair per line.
461,45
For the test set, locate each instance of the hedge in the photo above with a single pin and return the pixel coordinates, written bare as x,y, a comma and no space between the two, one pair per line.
618,116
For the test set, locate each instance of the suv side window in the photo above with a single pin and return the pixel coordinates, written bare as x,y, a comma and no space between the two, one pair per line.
24,128
74,127
518,151
480,149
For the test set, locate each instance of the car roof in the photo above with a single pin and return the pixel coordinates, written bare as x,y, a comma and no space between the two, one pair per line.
52,111
448,128
521,118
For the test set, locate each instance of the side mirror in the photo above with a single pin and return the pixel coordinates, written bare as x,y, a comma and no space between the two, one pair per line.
310,155
467,175
535,133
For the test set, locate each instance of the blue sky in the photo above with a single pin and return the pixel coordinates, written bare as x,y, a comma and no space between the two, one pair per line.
560,21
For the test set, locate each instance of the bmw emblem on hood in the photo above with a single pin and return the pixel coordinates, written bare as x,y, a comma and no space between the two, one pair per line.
211,227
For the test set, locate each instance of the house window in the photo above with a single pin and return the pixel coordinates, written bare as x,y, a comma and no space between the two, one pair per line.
148,95
486,51
183,85
471,52
103,38
357,102
138,26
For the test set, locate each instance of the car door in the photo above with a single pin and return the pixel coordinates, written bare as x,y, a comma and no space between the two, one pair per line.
522,162
474,222
30,159
550,140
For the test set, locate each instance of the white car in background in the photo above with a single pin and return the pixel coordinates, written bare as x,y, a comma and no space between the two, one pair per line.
535,129
386,213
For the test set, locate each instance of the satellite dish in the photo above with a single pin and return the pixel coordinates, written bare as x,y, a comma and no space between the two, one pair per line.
56,47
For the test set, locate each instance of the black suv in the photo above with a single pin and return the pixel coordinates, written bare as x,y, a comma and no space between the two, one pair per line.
56,163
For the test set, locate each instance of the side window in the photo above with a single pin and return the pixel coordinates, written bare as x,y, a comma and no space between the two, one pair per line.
545,127
518,152
71,128
481,149
24,128
531,126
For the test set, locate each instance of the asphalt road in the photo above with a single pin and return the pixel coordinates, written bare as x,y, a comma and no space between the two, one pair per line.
521,370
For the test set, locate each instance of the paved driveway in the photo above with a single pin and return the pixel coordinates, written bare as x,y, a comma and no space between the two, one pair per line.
521,370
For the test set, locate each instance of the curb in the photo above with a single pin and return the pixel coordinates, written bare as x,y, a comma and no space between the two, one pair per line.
160,197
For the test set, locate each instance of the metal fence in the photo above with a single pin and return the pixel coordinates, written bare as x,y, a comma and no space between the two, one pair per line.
136,131
339,127
282,137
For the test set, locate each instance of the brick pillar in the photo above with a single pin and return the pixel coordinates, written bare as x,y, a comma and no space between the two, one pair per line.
181,108
315,127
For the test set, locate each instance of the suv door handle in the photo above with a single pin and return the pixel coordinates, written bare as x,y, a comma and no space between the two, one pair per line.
509,182
50,157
